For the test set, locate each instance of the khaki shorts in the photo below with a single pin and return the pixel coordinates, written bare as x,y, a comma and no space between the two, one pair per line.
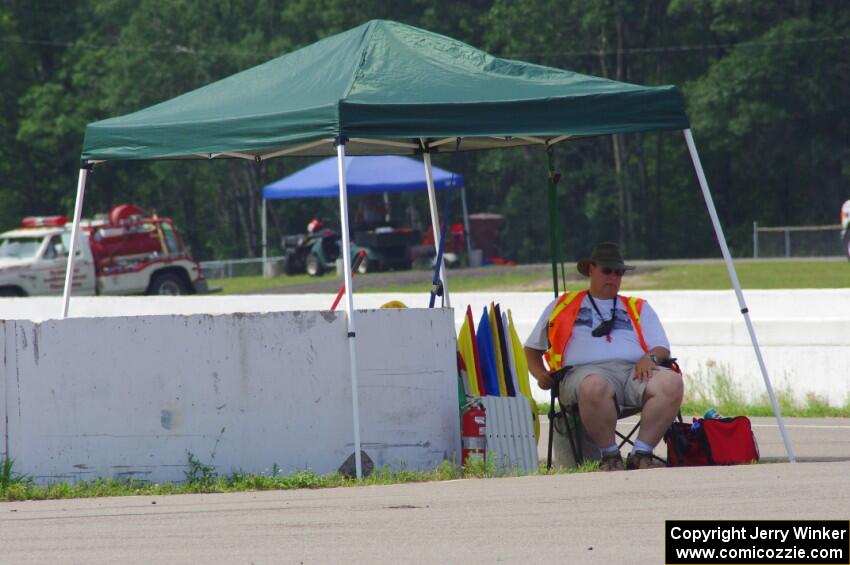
617,372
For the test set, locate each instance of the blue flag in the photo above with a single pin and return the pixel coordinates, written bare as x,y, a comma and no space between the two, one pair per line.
487,355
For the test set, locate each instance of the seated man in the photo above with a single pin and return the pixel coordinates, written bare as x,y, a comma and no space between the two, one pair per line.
613,346
371,212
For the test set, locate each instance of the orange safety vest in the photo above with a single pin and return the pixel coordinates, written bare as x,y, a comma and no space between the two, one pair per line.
563,319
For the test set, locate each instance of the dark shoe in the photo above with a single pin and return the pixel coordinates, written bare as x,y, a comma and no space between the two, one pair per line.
612,462
642,460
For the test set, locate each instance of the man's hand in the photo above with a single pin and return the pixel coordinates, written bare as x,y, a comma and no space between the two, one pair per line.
545,381
643,369
537,369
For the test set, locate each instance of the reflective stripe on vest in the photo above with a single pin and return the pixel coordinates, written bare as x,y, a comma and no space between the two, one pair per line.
633,308
563,319
561,324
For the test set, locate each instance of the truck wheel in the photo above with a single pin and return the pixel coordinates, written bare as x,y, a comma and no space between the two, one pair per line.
314,265
289,264
168,284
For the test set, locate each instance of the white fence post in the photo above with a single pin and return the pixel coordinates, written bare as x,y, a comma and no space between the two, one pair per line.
755,240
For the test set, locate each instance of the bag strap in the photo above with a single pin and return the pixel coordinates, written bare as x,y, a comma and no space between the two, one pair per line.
675,440
702,439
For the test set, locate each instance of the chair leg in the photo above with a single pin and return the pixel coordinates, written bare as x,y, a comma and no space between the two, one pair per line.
574,431
571,429
551,415
627,438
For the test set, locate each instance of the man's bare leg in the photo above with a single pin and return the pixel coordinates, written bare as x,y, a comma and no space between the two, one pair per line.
661,401
598,413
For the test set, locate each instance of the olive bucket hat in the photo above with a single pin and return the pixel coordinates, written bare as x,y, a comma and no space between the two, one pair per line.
606,254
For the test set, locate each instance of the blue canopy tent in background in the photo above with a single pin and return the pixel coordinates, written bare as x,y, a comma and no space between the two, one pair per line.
364,175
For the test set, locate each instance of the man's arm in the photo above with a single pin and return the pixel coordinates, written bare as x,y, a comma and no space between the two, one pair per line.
656,337
539,339
661,354
537,368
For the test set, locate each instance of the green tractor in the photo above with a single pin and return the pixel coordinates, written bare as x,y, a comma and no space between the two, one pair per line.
316,253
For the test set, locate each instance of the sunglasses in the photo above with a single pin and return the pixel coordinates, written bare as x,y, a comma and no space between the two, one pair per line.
610,271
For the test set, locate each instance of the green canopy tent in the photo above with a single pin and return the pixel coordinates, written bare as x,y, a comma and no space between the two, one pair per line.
382,86
389,88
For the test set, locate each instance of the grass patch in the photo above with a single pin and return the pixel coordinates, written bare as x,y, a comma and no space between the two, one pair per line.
681,276
542,408
712,387
586,467
240,285
203,478
503,278
7,475
753,275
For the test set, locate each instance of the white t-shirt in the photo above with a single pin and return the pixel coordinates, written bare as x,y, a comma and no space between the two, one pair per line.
621,343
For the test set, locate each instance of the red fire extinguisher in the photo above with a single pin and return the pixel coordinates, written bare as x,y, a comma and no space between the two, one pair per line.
473,425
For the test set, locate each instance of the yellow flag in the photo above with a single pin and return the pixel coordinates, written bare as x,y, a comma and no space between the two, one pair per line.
465,348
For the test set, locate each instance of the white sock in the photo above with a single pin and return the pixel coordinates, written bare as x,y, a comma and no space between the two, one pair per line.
642,446
613,448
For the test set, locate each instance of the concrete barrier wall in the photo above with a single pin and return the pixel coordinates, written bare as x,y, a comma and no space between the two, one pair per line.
804,334
133,396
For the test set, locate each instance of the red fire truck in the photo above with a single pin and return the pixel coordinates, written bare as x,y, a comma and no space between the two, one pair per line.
127,252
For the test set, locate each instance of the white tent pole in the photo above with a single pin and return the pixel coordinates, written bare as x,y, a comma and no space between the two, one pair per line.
689,139
387,207
263,222
466,221
435,223
75,237
349,301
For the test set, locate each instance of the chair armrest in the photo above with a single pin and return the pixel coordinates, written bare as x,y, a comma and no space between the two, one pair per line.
670,363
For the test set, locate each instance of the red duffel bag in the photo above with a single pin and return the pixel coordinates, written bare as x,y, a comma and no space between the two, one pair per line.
721,441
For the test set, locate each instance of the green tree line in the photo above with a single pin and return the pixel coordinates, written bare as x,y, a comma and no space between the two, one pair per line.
765,83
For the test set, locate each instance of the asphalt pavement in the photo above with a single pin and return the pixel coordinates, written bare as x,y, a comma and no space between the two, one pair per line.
578,518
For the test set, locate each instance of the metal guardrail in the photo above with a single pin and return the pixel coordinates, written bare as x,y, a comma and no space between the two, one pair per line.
229,268
788,230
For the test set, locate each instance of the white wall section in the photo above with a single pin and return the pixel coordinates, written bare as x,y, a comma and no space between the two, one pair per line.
803,333
5,391
131,396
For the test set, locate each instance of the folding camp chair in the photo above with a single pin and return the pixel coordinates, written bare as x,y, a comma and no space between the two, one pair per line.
571,418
